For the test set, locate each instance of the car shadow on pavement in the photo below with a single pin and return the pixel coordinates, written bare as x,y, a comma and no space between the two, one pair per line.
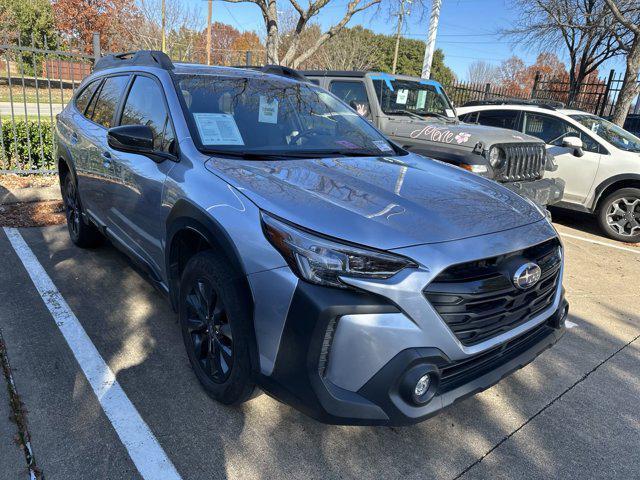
578,220
137,333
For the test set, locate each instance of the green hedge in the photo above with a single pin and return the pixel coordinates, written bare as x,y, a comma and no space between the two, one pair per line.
14,149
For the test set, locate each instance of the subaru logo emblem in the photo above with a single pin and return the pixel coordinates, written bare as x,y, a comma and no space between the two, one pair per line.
527,275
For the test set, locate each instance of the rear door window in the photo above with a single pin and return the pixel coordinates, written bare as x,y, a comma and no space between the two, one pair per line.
108,100
499,118
553,130
354,94
139,110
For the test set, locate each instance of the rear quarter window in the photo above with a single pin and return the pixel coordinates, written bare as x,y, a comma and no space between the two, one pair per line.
83,98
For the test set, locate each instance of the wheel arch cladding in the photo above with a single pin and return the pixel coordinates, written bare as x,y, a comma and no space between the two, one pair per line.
65,161
188,222
610,185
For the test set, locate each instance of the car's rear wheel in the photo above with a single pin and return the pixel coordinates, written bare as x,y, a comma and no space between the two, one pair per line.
83,234
215,324
619,215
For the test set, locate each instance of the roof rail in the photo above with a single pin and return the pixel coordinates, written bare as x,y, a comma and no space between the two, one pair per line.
538,102
140,58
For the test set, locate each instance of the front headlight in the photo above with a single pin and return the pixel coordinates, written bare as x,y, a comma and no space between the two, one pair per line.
322,261
496,157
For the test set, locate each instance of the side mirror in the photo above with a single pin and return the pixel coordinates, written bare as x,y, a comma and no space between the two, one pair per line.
135,139
131,138
575,143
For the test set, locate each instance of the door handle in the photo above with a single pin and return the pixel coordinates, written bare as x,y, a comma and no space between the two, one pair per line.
106,159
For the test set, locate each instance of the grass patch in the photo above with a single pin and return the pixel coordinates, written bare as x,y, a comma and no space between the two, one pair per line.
30,93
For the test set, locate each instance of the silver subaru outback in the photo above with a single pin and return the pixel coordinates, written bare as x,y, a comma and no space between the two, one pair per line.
304,252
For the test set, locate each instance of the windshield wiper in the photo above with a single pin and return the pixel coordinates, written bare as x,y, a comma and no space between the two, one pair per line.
404,112
439,115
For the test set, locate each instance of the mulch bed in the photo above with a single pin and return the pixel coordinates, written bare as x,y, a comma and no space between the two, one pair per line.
12,181
38,214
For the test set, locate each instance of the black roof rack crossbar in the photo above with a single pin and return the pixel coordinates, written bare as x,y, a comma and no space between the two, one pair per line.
538,102
140,58
284,72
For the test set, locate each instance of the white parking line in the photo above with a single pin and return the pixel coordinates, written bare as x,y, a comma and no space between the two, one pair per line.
144,450
606,244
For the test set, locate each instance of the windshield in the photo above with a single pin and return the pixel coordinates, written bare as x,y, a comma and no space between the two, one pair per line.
247,116
413,98
611,132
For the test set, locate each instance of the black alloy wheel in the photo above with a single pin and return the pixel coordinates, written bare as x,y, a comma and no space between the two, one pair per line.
72,207
209,331
83,233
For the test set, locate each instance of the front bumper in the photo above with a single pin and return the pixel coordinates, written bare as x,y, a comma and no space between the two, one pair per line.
300,376
546,191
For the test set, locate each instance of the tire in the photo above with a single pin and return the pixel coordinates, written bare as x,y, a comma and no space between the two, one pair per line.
83,234
619,215
216,324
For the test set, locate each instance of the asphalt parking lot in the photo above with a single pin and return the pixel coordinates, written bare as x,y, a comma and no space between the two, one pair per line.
573,413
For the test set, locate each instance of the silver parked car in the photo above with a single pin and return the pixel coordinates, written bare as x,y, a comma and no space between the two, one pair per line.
303,251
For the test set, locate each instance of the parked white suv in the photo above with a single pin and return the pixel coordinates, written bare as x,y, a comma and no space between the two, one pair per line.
599,161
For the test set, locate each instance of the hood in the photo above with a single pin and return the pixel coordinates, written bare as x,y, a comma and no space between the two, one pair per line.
381,202
456,134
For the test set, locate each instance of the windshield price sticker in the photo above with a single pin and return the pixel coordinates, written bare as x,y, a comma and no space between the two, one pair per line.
449,112
268,111
422,100
402,96
218,129
382,145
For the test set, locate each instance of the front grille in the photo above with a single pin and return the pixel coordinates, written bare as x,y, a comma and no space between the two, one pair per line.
460,372
522,162
479,301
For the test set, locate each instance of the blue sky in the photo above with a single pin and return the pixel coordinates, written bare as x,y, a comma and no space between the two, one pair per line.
467,31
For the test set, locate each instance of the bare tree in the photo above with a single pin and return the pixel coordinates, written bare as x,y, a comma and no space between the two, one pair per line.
483,72
353,49
627,13
305,14
182,22
585,28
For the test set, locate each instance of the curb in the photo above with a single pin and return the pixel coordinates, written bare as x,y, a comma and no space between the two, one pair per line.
29,195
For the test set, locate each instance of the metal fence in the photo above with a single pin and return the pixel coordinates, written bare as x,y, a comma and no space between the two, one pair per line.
594,95
38,79
35,84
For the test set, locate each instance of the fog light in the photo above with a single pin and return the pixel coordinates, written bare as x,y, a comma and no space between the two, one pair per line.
420,383
422,386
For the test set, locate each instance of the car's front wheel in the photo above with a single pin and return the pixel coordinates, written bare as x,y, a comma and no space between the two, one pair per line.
215,324
619,215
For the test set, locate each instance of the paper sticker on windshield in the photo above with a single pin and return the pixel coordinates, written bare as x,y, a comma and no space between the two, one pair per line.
382,145
218,129
268,111
422,100
449,112
403,95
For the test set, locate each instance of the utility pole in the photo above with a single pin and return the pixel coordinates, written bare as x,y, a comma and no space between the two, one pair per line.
164,39
401,15
431,39
209,32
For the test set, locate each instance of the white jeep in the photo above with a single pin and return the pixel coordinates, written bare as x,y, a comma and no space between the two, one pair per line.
598,160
